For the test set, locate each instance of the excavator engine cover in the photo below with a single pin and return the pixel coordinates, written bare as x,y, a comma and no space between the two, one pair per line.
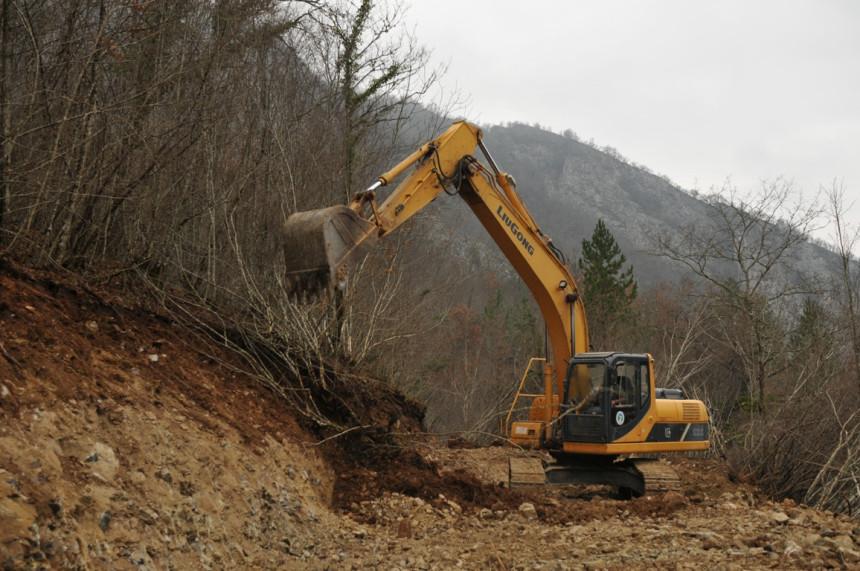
322,246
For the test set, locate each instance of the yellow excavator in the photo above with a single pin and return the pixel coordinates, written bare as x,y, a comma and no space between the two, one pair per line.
600,416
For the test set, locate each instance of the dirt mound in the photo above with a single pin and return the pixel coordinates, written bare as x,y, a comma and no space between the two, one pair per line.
373,470
108,406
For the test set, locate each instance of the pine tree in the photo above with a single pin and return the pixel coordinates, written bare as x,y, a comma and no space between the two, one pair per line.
609,290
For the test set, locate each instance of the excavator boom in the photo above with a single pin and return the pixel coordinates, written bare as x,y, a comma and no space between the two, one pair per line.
321,246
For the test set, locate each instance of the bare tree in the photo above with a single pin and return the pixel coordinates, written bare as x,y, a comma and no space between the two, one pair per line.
679,317
377,72
837,484
745,254
5,111
846,240
776,364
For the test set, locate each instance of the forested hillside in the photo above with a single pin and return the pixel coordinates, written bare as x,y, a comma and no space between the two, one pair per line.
163,145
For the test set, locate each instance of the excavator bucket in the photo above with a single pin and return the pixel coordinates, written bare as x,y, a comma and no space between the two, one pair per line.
322,246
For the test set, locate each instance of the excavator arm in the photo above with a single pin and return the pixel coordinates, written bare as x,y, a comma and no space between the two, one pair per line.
322,246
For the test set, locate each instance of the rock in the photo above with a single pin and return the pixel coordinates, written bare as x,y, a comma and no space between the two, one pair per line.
454,506
16,513
843,542
764,540
139,558
527,510
848,556
104,520
792,549
779,517
56,506
404,529
673,501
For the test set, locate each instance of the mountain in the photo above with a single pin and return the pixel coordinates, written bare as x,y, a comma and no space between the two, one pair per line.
568,185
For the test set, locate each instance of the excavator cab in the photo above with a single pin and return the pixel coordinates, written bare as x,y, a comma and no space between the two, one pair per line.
606,393
611,408
611,415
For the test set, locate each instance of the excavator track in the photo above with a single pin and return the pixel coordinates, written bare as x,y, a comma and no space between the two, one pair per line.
659,476
526,471
633,477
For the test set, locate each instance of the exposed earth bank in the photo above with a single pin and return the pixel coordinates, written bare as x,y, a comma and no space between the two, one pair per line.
126,442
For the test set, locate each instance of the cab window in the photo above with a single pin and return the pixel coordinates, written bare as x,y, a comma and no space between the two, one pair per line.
644,386
586,385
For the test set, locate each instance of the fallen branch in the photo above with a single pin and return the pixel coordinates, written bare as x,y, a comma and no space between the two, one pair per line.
10,358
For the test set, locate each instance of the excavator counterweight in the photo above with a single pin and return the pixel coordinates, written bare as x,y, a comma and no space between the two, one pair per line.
321,247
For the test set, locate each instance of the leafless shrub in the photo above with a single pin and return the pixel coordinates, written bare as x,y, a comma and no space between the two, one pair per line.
837,483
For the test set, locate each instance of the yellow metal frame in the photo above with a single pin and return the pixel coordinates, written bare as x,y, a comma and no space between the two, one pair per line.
506,429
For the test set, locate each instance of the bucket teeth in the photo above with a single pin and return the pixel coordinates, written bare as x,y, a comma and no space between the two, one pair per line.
307,283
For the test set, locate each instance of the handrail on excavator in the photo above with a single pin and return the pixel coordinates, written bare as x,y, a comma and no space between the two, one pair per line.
506,430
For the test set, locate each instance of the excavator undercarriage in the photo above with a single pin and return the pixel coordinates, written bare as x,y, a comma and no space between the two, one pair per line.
634,477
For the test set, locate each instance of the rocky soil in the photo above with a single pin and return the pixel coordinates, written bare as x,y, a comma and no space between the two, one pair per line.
126,442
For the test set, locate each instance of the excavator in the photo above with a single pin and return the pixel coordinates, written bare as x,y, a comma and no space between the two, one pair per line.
600,416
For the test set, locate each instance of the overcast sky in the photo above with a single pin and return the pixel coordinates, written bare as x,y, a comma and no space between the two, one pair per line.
699,91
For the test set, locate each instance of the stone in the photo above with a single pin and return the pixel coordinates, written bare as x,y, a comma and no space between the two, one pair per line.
843,542
527,510
404,529
672,501
792,549
454,506
104,520
848,556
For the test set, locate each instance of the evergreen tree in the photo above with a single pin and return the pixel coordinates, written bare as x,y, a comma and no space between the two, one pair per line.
609,289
